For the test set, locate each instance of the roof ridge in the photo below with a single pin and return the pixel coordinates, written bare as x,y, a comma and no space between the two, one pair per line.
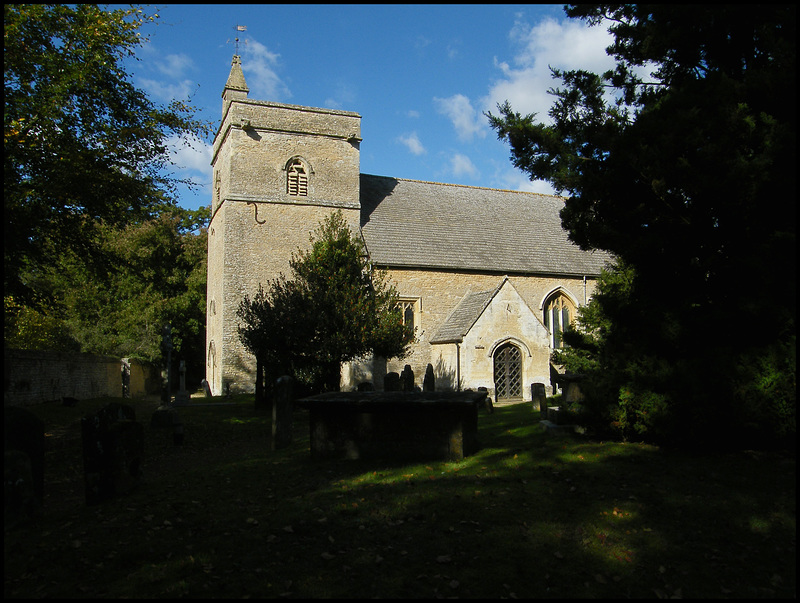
485,188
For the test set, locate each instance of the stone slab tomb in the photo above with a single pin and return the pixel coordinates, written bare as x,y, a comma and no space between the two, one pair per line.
394,425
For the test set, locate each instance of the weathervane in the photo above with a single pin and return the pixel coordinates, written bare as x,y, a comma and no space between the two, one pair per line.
237,29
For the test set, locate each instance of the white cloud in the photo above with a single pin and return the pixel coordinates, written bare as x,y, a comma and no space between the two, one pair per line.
259,65
174,65
565,44
413,143
192,157
421,42
515,180
343,96
167,91
461,165
466,119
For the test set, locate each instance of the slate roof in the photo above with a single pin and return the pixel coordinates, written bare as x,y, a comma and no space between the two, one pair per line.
463,317
409,223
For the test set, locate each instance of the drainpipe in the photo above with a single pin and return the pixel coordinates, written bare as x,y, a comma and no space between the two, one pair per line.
584,289
458,367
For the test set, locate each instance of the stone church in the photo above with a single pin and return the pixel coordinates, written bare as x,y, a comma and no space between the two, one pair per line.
487,277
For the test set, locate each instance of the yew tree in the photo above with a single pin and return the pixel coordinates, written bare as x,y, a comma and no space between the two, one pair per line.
336,307
681,162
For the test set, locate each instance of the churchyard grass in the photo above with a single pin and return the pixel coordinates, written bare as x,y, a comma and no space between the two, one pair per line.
530,515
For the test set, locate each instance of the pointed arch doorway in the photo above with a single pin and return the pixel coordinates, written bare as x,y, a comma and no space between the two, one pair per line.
508,372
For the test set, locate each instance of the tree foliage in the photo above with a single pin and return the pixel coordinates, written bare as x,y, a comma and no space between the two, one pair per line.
84,149
154,273
681,163
337,307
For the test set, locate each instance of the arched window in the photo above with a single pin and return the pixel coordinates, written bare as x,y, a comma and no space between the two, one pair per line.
297,178
409,309
558,314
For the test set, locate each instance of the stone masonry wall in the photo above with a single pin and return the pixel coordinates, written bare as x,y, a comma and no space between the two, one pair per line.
440,292
259,240
32,377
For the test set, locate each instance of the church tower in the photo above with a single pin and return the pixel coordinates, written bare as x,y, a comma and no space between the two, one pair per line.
278,171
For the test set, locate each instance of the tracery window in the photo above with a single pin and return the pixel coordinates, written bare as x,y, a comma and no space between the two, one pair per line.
558,314
297,178
408,308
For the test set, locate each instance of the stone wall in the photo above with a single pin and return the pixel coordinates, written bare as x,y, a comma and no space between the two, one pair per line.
32,377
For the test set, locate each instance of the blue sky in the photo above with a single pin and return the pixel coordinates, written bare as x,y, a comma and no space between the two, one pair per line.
420,76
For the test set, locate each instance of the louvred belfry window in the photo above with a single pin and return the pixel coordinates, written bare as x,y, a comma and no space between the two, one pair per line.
297,179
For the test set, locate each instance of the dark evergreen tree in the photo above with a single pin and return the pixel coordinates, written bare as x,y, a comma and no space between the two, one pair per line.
681,162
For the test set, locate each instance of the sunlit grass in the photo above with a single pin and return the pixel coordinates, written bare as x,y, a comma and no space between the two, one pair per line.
529,515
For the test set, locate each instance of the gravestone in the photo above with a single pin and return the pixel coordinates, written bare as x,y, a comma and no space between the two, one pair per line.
23,464
182,397
113,450
538,396
429,381
282,413
487,402
206,388
391,382
407,379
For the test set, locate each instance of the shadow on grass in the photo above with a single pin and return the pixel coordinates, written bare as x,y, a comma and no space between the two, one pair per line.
529,515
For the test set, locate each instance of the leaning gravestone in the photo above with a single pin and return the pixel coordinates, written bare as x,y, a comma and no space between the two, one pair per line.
429,381
23,464
113,450
391,382
282,413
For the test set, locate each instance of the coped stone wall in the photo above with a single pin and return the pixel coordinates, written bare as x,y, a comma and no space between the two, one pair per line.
33,376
